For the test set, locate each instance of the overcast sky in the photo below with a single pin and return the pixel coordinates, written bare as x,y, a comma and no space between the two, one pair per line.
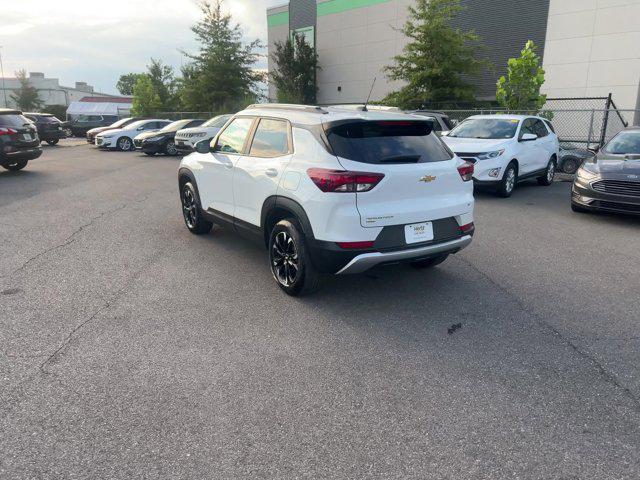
96,40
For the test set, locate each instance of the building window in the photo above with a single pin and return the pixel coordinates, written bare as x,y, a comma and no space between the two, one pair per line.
309,34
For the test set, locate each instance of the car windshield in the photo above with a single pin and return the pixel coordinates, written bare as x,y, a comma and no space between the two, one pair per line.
120,123
14,120
624,143
217,122
134,125
175,126
486,128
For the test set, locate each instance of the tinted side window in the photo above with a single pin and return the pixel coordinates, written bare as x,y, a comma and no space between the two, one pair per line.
12,120
540,129
271,139
232,139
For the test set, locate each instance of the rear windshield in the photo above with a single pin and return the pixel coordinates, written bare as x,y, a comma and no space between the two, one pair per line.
387,142
51,120
13,120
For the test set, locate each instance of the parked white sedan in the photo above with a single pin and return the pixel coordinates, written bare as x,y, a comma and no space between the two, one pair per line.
506,149
122,138
187,138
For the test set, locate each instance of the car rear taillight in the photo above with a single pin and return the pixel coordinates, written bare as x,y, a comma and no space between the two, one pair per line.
355,245
342,181
468,229
7,131
466,171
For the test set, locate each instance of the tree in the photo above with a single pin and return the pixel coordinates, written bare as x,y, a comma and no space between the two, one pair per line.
295,74
437,58
221,75
126,83
520,89
146,101
164,83
26,97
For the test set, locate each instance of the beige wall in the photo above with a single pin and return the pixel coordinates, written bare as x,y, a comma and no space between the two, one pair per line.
593,48
354,46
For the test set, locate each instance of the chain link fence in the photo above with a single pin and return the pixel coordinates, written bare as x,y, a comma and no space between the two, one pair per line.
584,122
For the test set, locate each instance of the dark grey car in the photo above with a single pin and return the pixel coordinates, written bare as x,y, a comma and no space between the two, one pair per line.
610,181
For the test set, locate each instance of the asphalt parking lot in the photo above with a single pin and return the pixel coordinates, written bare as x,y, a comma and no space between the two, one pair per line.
130,348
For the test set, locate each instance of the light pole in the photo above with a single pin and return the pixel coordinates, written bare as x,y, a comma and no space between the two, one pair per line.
4,90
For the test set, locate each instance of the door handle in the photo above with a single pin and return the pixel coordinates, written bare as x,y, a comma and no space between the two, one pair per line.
271,172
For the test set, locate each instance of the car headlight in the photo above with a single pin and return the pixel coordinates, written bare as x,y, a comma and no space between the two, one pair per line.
154,139
586,174
106,136
490,155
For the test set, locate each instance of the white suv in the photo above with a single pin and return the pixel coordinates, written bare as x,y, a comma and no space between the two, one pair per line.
187,138
331,190
506,149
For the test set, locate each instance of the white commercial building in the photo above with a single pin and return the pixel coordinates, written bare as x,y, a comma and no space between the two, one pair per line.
49,90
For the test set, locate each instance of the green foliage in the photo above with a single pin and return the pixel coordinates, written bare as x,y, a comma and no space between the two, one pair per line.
146,101
520,89
220,76
437,58
59,111
126,83
295,74
164,83
26,97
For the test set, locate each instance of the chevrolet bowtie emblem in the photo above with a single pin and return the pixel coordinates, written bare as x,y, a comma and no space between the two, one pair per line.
427,179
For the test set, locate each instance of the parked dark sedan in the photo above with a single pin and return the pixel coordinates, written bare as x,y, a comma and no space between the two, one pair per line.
19,140
123,122
80,125
610,181
50,129
162,141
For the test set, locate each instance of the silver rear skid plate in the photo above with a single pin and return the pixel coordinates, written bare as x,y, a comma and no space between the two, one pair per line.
364,262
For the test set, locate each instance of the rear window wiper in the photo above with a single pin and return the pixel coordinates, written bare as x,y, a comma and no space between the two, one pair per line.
401,159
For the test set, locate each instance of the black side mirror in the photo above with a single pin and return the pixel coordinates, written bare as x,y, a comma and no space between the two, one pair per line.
595,149
203,146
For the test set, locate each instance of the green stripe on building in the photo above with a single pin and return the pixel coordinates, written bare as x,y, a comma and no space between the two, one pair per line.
337,6
278,19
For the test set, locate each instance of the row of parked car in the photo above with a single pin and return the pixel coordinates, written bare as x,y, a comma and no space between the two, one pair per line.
156,136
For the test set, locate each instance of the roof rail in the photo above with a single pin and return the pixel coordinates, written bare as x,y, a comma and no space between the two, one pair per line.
365,108
287,106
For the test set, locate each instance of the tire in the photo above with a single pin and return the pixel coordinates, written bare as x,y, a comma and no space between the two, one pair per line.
571,165
549,174
14,167
509,179
192,211
124,144
289,259
171,149
429,262
52,142
578,209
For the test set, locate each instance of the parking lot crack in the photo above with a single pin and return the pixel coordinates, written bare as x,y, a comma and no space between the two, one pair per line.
607,376
70,238
106,306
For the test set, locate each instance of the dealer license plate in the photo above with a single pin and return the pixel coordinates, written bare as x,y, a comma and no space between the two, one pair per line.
418,232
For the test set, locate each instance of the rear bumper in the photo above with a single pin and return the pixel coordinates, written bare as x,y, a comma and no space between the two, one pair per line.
365,261
7,158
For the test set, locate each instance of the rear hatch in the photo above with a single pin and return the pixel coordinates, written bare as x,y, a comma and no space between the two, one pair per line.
19,130
421,181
